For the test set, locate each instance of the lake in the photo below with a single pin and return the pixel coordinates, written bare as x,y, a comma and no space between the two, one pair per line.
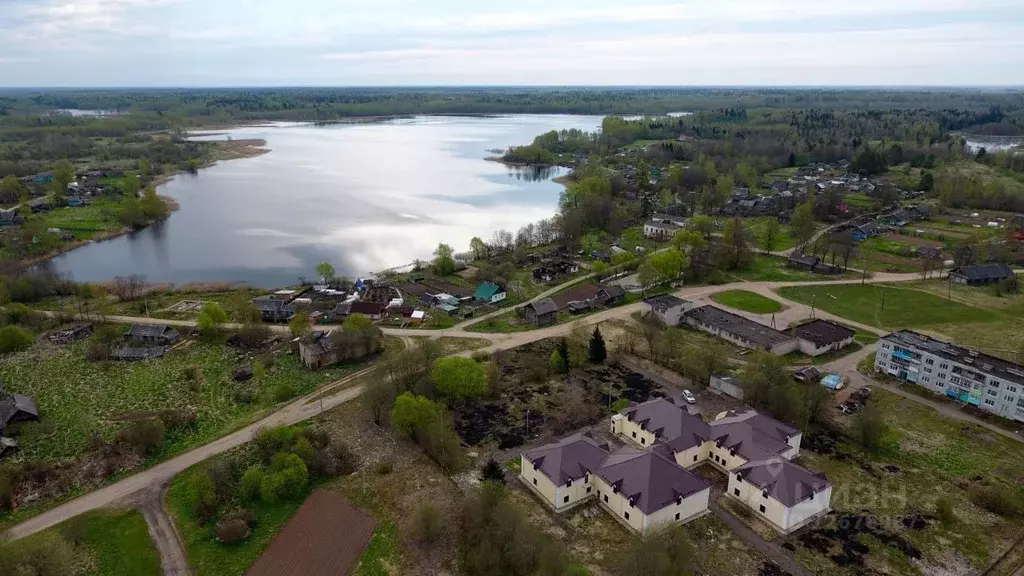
364,197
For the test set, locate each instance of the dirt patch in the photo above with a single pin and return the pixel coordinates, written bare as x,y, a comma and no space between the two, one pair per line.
841,538
534,404
913,240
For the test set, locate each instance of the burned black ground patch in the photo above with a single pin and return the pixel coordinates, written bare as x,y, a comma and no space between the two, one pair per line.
839,538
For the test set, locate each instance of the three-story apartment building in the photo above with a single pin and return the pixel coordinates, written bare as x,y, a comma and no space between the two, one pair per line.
992,384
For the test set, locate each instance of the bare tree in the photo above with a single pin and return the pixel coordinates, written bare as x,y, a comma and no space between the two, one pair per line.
128,288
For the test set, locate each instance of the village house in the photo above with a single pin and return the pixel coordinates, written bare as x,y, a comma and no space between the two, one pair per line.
540,312
136,354
160,334
811,263
16,408
274,309
318,350
666,308
10,218
822,336
980,274
551,268
68,335
743,445
929,252
740,330
589,296
987,382
372,310
489,293
660,230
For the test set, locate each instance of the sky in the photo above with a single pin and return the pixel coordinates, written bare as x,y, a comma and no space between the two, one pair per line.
526,42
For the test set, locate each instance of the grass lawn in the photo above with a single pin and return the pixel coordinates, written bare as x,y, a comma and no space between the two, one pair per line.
935,456
903,308
77,398
748,301
774,269
784,239
102,215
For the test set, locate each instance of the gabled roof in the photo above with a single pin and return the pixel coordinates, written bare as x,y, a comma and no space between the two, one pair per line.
737,325
650,479
568,459
13,404
669,423
368,308
784,481
996,270
269,304
151,331
486,291
543,306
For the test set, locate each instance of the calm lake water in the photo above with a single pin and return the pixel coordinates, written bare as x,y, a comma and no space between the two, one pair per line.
363,197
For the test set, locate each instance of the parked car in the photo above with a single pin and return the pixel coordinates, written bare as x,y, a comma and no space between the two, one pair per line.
689,397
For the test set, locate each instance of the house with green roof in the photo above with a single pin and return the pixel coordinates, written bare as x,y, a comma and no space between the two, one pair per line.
490,293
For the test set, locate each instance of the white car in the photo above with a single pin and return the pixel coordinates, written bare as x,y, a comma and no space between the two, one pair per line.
689,397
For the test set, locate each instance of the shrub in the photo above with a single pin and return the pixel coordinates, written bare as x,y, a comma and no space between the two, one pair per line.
252,482
459,378
191,373
271,441
480,357
427,524
283,391
178,419
18,313
202,497
385,467
271,487
97,353
142,436
244,396
995,499
14,339
944,511
6,493
492,472
222,472
232,531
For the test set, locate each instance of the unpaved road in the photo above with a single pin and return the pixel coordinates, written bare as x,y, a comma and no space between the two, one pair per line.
304,408
173,559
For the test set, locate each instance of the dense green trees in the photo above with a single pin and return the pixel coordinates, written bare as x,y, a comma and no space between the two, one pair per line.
444,261
459,379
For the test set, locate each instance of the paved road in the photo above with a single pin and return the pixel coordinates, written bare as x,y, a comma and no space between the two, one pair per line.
771,550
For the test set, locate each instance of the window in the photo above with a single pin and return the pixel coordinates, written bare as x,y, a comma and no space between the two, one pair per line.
762,508
1012,389
625,515
993,393
930,362
944,366
534,481
565,500
694,457
736,491
1020,402
677,516
885,346
990,402
589,489
764,493
569,482
643,441
634,434
606,498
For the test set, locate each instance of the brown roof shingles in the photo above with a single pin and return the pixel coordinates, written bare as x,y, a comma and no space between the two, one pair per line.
326,537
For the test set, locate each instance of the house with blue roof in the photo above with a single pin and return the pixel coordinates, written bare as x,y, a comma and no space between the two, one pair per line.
489,293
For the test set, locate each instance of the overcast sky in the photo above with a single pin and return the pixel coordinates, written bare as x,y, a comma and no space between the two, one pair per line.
564,42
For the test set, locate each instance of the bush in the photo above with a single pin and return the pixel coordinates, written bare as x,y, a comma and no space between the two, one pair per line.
944,511
492,472
459,379
252,481
385,467
97,353
232,531
283,391
6,493
142,436
14,339
191,373
995,499
48,555
178,419
271,441
202,497
427,524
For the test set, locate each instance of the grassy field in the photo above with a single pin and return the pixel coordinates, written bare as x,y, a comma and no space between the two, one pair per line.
77,398
903,308
774,269
784,240
931,456
101,215
749,301
109,542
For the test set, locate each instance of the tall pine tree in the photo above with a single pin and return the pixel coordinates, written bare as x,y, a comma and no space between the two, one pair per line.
598,352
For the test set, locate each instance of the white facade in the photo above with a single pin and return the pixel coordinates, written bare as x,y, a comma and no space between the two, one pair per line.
672,316
992,384
727,385
558,497
660,230
779,349
783,518
811,349
681,511
498,297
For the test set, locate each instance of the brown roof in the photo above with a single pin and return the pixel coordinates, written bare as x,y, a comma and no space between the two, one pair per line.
326,537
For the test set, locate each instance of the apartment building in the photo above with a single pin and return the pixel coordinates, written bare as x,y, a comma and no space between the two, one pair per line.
992,384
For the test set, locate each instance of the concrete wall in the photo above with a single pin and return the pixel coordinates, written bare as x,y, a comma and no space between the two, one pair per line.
809,348
794,442
540,483
808,509
693,457
692,506
726,388
671,317
559,497
775,513
726,460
